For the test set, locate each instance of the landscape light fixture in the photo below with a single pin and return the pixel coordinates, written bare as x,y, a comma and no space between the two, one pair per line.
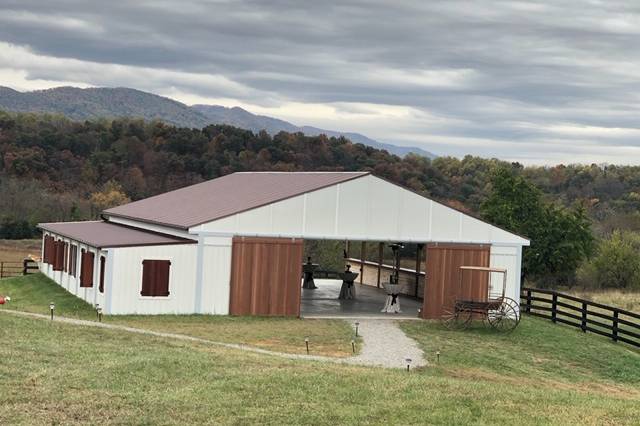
52,306
438,356
97,308
99,311
408,361
357,324
353,345
306,342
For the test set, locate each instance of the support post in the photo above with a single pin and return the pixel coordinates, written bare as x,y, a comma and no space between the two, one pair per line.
25,264
528,306
380,252
554,307
363,251
1,269
418,263
583,322
615,326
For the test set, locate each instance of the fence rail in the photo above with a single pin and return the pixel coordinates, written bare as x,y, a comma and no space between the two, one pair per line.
615,323
14,269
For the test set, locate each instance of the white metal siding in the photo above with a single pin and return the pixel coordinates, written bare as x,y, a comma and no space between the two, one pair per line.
127,280
216,276
72,284
507,257
367,208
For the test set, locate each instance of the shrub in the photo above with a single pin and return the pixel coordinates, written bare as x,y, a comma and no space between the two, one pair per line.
16,229
616,265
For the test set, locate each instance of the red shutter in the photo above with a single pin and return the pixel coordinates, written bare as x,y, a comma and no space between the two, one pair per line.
86,269
48,249
155,278
102,264
58,261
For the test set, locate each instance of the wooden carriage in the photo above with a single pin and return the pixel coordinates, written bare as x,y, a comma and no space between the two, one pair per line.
501,312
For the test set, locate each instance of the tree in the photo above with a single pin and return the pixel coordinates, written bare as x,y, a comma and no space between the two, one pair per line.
111,195
560,238
617,263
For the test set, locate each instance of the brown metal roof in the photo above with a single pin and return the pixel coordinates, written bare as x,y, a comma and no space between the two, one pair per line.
104,234
225,196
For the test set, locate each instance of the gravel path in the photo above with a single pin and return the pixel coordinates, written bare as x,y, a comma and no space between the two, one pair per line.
386,345
378,336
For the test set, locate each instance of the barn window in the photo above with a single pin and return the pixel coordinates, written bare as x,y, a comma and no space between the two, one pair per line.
101,285
73,260
155,278
65,260
86,269
58,261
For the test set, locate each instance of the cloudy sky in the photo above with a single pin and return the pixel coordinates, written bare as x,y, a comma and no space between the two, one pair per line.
554,81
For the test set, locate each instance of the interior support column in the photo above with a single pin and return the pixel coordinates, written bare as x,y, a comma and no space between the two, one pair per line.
363,251
380,252
418,264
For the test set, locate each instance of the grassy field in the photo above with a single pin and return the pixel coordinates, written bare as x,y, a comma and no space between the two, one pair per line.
541,373
56,373
33,293
17,250
629,300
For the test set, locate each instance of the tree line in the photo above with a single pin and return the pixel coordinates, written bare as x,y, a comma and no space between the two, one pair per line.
55,169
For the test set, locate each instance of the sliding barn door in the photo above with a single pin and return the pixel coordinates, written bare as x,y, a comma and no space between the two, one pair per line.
443,285
266,276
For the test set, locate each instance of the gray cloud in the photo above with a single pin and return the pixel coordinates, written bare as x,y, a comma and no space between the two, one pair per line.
544,82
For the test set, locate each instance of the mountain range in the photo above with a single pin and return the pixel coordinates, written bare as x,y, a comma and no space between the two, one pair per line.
84,104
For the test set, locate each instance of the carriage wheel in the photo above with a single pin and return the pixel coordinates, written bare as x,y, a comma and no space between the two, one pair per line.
456,318
506,317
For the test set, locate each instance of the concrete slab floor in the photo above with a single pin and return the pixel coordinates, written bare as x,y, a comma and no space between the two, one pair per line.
324,302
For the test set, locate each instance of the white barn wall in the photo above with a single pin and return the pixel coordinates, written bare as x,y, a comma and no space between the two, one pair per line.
367,208
126,284
71,283
507,257
216,276
150,227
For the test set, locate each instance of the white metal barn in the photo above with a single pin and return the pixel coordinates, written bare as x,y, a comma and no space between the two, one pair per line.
233,245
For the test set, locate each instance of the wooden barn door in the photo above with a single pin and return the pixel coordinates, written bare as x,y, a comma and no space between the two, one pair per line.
443,276
266,276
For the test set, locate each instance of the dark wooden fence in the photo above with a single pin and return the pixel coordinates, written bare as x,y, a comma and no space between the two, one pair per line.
608,321
14,269
326,274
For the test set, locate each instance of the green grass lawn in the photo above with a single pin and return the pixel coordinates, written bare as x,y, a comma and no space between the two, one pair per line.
59,373
538,351
33,293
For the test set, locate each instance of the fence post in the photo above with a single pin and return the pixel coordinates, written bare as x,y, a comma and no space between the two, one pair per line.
615,326
554,307
583,326
528,305
1,269
25,262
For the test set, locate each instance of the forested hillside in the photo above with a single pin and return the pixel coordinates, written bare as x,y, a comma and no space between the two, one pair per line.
112,102
56,169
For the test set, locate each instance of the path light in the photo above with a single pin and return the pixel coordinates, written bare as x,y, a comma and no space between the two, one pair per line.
353,345
306,342
52,306
438,356
357,324
99,311
408,361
